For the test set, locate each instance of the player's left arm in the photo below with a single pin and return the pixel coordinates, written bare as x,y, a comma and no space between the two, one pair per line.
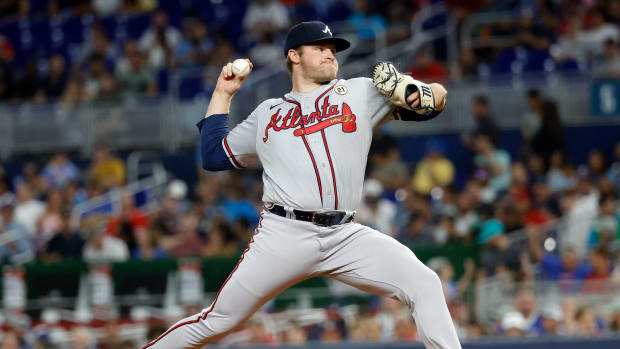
413,100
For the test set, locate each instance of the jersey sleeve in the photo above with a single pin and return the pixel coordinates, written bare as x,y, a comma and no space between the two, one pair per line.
240,143
378,106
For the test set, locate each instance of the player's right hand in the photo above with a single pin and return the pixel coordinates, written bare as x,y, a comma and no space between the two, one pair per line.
229,83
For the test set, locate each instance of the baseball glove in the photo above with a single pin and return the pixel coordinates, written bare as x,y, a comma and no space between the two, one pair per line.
397,86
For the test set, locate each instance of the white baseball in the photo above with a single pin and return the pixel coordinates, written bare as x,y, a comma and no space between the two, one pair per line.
241,67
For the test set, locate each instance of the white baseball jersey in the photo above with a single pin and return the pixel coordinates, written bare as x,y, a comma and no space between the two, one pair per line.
313,146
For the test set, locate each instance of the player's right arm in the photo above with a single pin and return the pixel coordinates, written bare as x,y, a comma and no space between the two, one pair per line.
223,150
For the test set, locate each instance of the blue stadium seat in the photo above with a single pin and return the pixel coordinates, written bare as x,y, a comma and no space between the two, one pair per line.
38,7
189,87
73,29
567,66
163,81
503,62
174,11
137,25
41,35
110,24
535,62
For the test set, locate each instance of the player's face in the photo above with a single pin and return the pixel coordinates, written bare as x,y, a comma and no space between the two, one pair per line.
318,62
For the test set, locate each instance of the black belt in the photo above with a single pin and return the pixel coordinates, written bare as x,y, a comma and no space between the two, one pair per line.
322,219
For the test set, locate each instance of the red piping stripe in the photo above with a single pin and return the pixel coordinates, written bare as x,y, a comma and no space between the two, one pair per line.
332,168
216,296
329,158
230,154
303,137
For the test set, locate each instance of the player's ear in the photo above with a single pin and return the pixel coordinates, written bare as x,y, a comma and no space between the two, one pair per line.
293,56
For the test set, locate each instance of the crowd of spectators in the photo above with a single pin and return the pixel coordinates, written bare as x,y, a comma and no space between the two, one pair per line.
92,51
544,36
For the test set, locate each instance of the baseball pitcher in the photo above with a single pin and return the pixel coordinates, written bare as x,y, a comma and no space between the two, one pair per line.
313,145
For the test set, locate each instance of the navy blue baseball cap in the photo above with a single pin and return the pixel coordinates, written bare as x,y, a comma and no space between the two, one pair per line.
309,32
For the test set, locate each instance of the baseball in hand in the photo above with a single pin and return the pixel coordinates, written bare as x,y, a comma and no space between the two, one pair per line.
241,67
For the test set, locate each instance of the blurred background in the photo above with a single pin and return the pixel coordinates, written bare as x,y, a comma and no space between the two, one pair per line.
110,231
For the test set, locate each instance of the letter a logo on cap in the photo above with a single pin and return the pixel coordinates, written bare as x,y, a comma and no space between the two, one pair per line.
326,30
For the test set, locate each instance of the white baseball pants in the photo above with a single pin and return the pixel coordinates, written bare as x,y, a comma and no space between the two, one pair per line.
284,252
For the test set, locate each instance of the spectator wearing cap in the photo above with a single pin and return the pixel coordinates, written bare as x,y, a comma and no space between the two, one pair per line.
513,324
551,320
16,244
375,211
166,220
434,169
497,252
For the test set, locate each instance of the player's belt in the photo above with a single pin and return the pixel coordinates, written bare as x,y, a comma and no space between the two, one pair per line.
320,218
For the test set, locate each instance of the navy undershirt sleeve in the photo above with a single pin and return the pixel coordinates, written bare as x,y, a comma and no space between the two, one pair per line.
212,131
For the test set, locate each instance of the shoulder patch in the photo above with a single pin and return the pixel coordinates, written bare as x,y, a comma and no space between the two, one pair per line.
341,89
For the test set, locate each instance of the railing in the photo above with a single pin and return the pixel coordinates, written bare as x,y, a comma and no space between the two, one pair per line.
149,190
35,129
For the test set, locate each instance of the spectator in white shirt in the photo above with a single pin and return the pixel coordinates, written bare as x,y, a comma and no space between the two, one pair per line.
103,248
159,41
28,209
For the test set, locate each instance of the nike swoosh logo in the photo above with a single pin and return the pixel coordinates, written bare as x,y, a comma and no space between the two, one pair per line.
275,105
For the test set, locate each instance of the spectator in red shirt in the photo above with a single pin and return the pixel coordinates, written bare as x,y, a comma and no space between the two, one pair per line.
127,221
601,269
426,68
